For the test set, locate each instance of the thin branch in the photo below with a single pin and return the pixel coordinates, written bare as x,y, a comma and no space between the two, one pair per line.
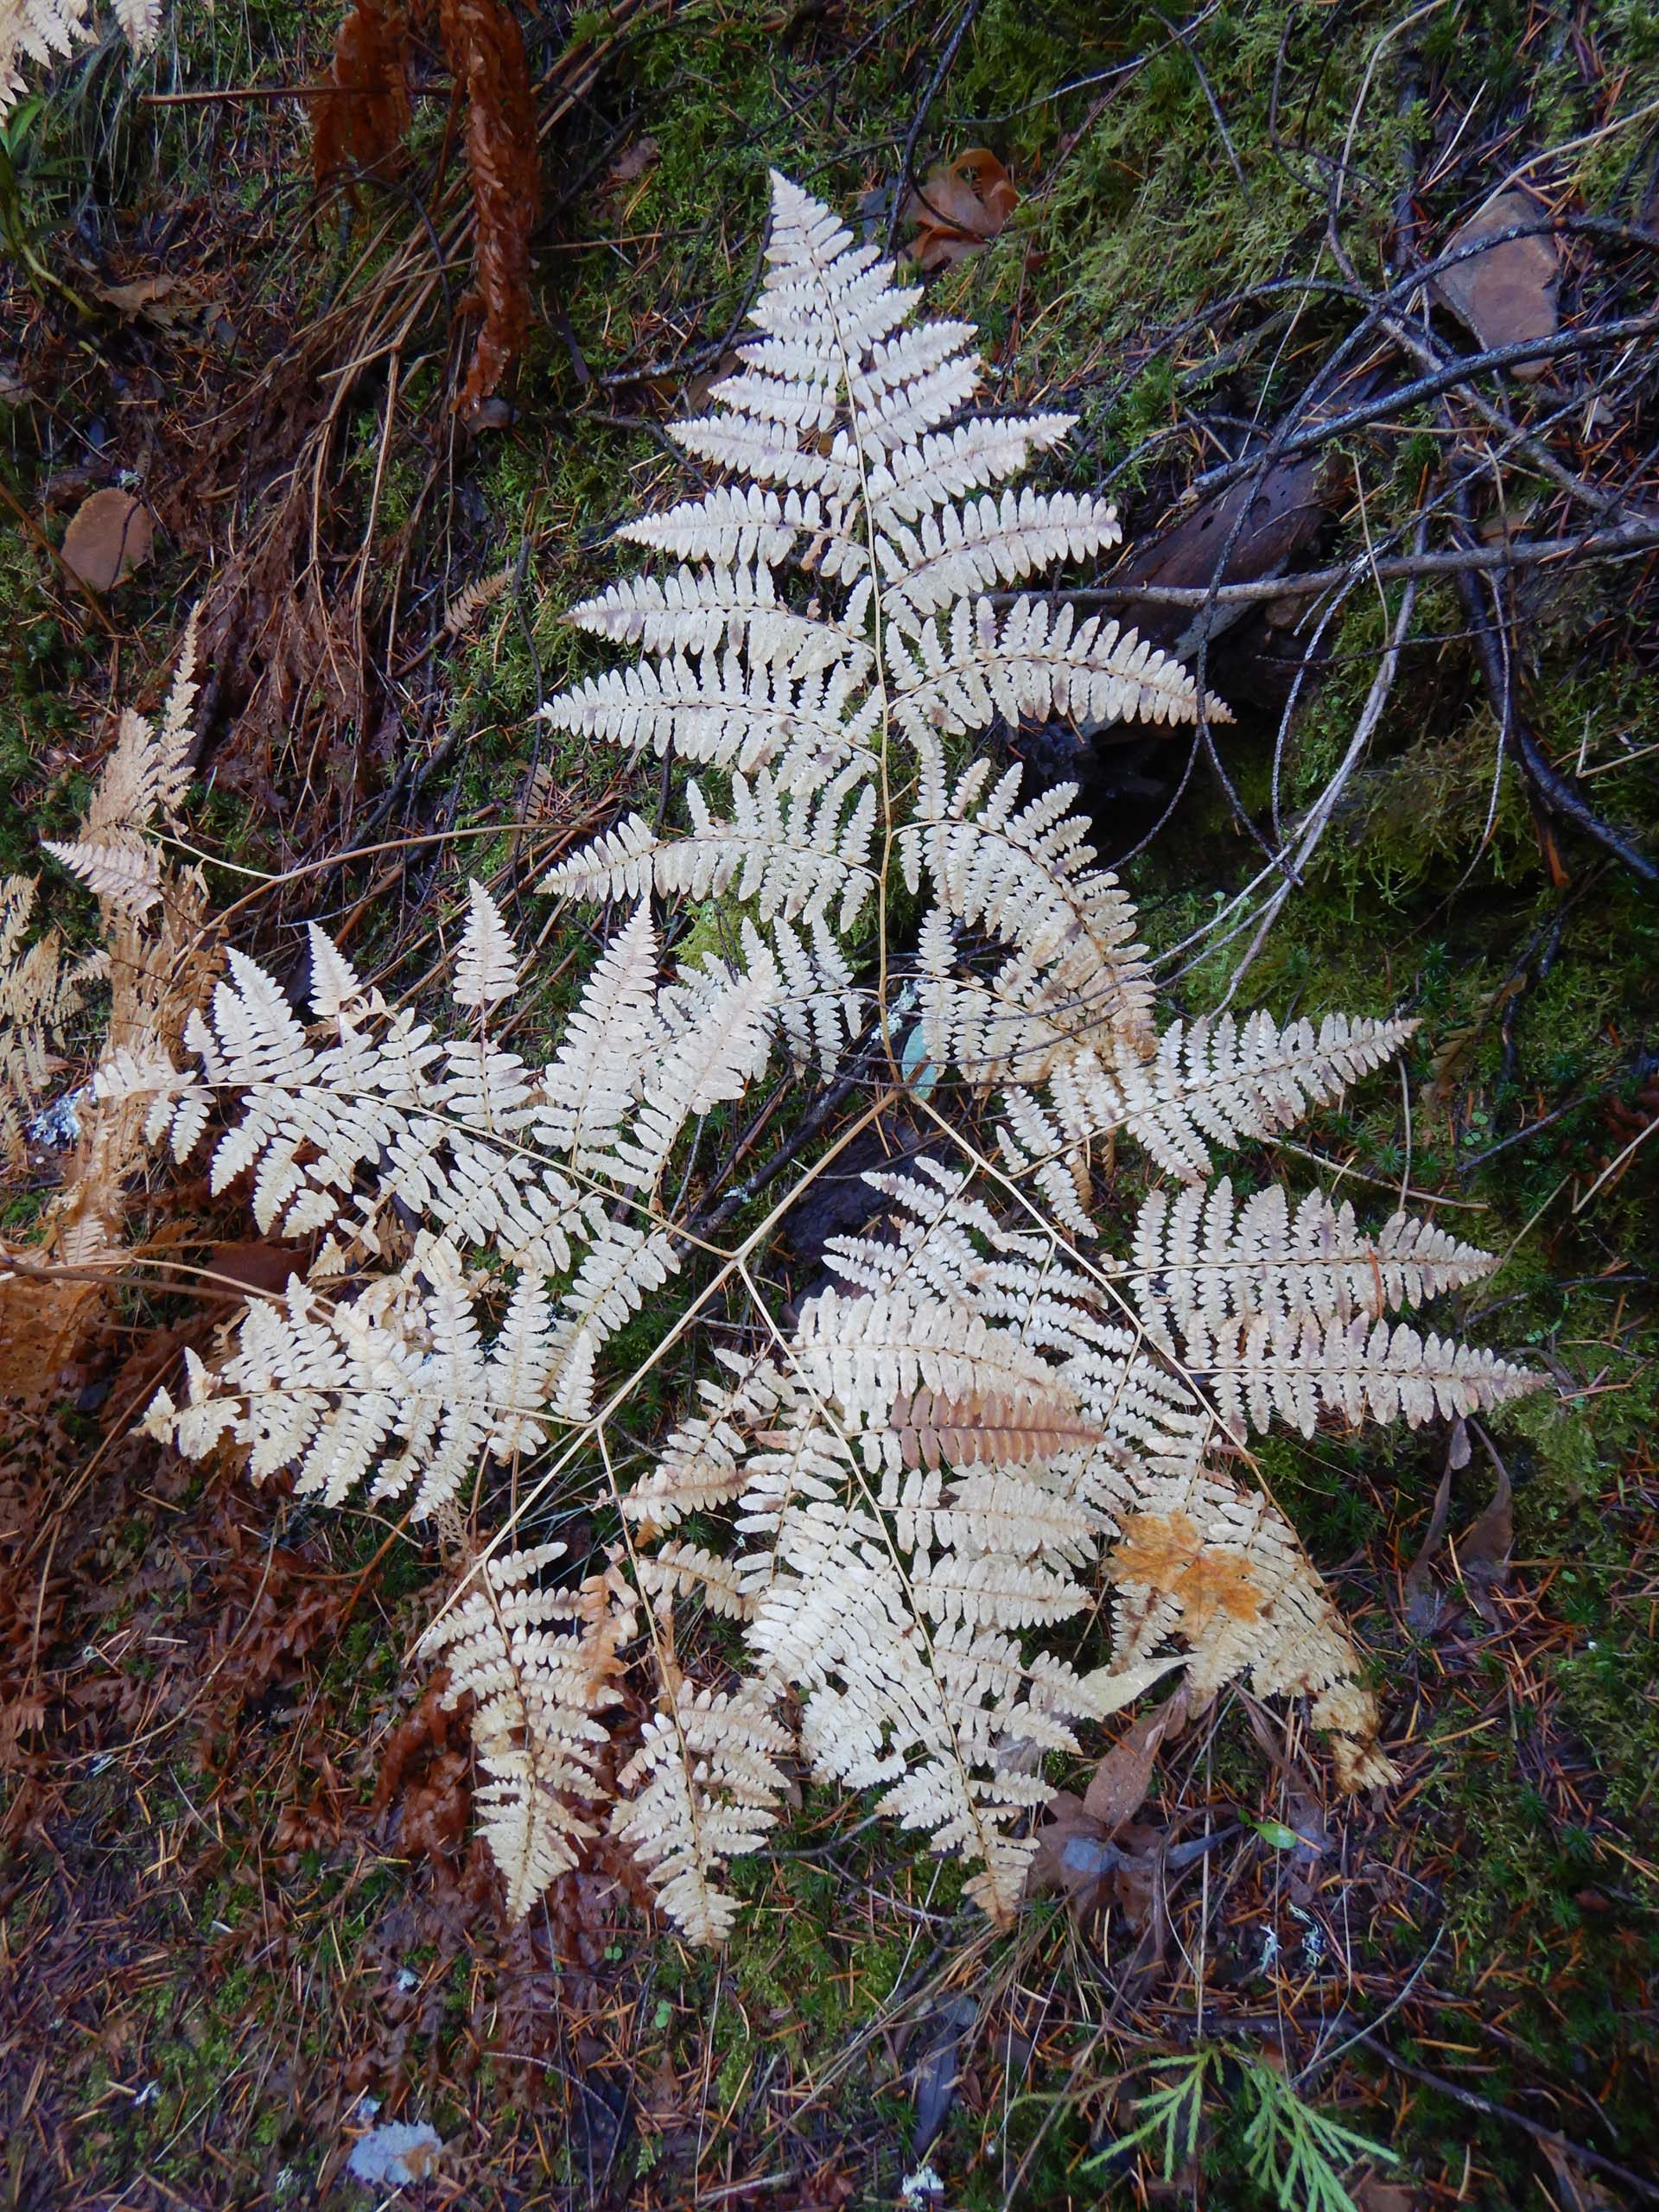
1439,2084
1621,543
1555,791
906,176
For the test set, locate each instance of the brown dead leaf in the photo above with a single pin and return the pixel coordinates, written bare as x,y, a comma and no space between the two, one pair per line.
699,390
1372,2194
133,299
961,206
42,1324
1422,1596
257,1264
1483,1549
134,1383
1506,295
1283,515
159,299
1119,1785
933,2085
1072,1854
109,535
1304,1817
663,2102
632,162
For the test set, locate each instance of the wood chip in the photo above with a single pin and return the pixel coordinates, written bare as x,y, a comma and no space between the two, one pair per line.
1507,294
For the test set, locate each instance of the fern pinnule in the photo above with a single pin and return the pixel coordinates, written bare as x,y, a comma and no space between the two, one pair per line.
870,1353
1295,1368
721,1040
464,609
987,1431
700,1465
140,20
144,777
1218,1082
586,1087
987,542
675,1569
1203,1260
128,876
800,720
486,965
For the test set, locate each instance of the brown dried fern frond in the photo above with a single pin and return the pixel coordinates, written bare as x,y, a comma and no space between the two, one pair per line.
487,52
362,111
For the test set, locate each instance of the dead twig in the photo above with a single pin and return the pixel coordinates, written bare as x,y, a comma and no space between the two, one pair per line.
905,182
1539,2133
1553,791
1623,542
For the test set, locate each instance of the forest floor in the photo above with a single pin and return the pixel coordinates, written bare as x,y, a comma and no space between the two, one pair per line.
243,1913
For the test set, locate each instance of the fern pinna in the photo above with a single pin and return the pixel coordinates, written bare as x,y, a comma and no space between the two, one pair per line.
983,1417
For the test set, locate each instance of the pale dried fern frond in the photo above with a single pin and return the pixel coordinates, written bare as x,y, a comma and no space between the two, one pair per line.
396,1384
985,1421
836,421
706,1787
872,1597
900,1689
42,992
140,20
143,778
156,964
35,30
394,1388
540,1665
128,876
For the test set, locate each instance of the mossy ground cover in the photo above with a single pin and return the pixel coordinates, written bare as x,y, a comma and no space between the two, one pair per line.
221,1931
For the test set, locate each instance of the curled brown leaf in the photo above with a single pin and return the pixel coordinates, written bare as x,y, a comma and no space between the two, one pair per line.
961,206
